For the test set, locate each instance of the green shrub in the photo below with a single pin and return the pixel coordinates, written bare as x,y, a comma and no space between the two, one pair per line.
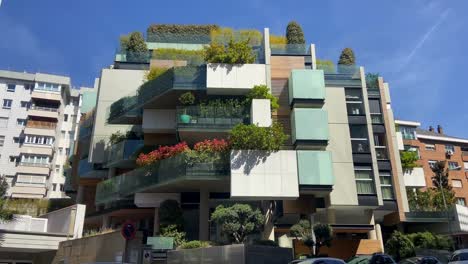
326,65
252,137
262,92
224,35
195,244
408,160
269,243
294,33
399,246
155,72
193,57
423,240
236,52
174,33
172,231
136,49
347,57
278,40
372,80
187,98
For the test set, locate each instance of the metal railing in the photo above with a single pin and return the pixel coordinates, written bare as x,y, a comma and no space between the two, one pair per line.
163,172
42,108
373,92
211,116
34,164
41,124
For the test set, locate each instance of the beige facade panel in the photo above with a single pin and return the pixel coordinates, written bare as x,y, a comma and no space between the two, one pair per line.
41,150
43,113
23,190
39,131
46,95
24,168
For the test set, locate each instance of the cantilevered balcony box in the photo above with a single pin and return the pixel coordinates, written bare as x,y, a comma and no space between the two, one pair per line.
315,171
306,88
257,174
309,128
234,79
260,112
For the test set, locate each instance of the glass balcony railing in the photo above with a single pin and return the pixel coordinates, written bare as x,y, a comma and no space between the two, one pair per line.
34,164
373,92
124,152
88,170
341,75
360,146
211,117
290,49
428,216
164,172
376,119
132,57
381,152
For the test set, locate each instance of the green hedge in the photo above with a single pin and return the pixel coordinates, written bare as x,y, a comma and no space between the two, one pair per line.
193,57
173,33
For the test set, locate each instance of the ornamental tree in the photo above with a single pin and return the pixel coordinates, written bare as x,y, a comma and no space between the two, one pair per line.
399,246
347,57
294,33
238,221
136,47
302,230
323,236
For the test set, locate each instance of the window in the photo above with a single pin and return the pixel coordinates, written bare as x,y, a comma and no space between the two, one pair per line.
430,147
37,159
21,122
449,148
453,165
61,187
12,159
3,122
359,141
457,184
25,104
7,103
48,87
57,168
461,201
54,187
39,140
11,87
432,163
386,185
67,151
354,102
465,164
364,180
16,140
2,140
65,117
408,132
61,151
28,86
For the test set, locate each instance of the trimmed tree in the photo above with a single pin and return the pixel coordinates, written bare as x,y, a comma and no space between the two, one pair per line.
444,196
408,160
294,33
399,246
136,48
347,57
238,221
302,230
323,236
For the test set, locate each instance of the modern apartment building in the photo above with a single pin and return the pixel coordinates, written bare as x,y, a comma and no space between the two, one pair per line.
433,145
340,165
37,118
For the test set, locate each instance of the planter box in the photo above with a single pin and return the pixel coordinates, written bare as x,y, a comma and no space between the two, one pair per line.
231,254
234,79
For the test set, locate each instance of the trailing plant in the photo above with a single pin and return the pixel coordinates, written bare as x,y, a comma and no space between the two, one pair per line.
180,33
252,137
347,57
372,80
262,92
294,33
116,137
136,49
170,213
195,244
173,231
326,65
408,160
163,152
224,35
236,52
238,221
278,40
193,57
187,98
155,72
399,246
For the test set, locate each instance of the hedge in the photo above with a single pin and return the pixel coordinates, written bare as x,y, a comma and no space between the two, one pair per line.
193,57
173,33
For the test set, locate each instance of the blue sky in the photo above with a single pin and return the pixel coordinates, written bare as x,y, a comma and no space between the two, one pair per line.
418,46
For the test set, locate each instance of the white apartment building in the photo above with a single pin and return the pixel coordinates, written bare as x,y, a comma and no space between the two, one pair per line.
38,117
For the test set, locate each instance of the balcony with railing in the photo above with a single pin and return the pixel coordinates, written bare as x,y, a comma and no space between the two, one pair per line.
428,216
124,153
33,168
290,49
41,124
377,119
172,174
41,111
211,117
341,75
360,146
88,170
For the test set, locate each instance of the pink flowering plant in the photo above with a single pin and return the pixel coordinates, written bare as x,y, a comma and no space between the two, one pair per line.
163,152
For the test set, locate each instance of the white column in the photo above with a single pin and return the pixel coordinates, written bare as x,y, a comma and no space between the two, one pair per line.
371,234
314,58
204,211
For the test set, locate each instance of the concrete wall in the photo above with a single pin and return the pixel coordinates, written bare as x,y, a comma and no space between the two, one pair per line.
234,79
113,85
344,191
257,174
159,120
260,112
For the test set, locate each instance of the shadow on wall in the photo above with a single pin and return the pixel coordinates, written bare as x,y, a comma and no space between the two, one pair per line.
248,159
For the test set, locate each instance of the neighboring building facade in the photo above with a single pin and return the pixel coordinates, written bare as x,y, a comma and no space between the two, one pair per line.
37,117
340,165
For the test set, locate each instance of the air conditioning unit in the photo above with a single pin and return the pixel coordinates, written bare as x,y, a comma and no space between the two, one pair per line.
449,152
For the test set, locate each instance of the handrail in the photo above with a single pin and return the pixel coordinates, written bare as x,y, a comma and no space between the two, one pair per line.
42,108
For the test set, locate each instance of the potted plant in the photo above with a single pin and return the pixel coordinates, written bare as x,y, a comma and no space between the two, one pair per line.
186,99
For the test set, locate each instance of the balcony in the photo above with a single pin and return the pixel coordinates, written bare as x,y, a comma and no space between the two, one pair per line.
87,170
172,174
381,152
40,128
33,168
32,191
306,87
290,49
48,112
234,79
123,154
373,92
309,127
46,95
341,75
428,217
360,146
315,171
36,149
133,57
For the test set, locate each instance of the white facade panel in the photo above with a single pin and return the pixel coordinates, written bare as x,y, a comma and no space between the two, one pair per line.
232,79
258,174
260,112
415,178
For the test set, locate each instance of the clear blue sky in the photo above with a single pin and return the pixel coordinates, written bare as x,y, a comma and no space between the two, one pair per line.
418,46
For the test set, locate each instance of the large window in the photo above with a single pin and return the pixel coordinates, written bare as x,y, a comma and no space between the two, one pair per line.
11,87
354,102
430,147
453,165
413,148
364,180
3,122
39,140
457,184
386,185
31,179
408,132
48,87
35,159
450,148
359,139
7,103
375,111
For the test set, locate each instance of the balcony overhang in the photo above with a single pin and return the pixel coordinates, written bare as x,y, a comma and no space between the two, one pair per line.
52,96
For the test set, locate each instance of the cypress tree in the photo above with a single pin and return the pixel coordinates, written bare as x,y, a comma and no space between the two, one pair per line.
136,47
347,57
294,33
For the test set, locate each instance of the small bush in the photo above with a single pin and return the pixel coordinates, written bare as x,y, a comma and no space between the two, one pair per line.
155,72
236,52
399,246
195,244
252,137
172,231
326,65
187,98
262,92
224,35
278,40
347,57
269,243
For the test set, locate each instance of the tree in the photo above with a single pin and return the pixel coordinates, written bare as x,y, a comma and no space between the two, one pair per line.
302,230
347,57
238,221
399,246
253,137
294,33
5,214
323,236
408,160
444,197
136,48
170,213
440,179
